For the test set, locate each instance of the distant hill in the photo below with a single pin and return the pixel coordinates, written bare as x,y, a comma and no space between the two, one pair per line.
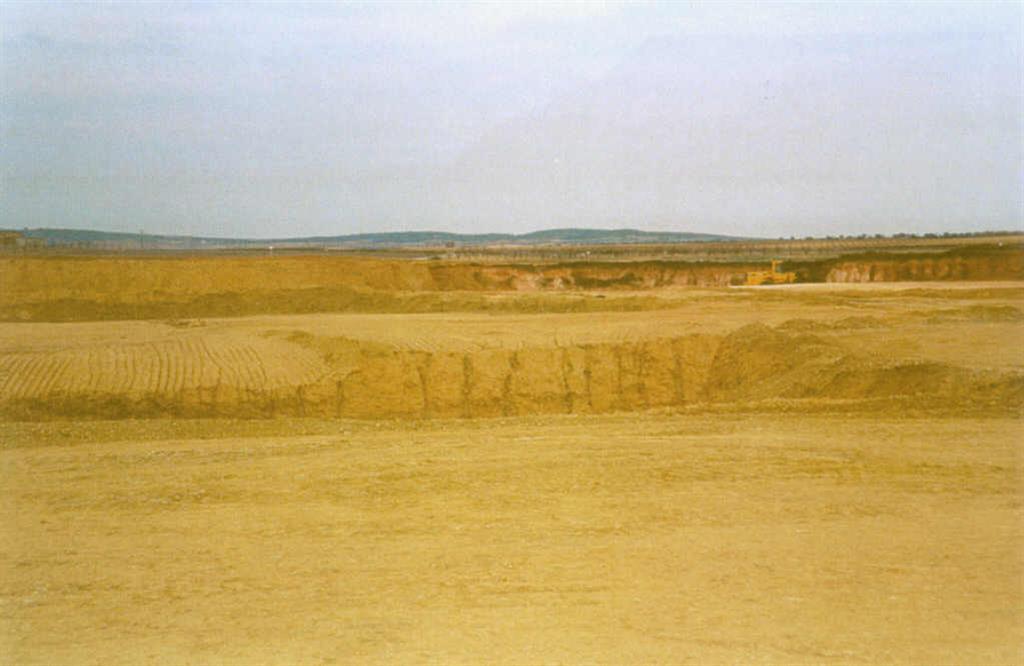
389,239
547,236
122,238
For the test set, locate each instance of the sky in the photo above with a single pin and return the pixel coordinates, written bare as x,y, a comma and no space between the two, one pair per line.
285,119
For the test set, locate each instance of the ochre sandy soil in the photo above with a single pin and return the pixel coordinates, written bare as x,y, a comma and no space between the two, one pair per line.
112,287
815,474
960,346
714,538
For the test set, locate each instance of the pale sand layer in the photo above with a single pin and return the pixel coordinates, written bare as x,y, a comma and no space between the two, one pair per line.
617,539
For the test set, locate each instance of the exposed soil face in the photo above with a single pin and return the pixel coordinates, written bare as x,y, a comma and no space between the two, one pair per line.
344,378
477,464
95,288
989,266
416,366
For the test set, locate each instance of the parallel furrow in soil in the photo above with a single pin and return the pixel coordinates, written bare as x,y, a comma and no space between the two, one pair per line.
209,376
133,362
109,376
10,367
57,373
227,365
240,364
255,365
163,382
33,377
189,363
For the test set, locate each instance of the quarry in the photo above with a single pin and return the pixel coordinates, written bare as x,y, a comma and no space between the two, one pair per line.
314,458
588,333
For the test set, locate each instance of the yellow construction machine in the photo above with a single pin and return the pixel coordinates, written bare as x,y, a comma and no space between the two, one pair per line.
774,276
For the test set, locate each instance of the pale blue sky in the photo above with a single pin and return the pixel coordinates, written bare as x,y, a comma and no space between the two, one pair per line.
281,119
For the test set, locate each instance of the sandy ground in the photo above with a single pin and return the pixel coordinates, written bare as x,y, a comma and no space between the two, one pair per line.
883,286
618,539
976,326
755,520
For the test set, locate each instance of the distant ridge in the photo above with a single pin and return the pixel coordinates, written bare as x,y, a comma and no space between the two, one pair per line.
378,240
568,235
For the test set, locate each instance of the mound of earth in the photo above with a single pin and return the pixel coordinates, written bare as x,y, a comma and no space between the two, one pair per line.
191,372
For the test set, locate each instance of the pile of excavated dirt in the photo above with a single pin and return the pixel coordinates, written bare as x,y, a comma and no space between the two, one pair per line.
301,374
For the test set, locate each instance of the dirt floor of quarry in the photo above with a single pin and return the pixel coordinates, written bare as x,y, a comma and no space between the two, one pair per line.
818,473
812,347
618,539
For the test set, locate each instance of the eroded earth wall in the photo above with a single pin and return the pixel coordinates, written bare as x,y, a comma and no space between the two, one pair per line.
80,288
299,374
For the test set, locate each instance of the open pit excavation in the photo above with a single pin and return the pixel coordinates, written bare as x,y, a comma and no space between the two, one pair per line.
424,366
512,333
309,459
111,287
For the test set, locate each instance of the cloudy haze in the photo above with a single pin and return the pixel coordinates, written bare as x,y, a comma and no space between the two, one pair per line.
285,120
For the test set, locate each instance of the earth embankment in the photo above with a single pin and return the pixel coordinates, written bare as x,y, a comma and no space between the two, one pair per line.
196,371
82,288
992,265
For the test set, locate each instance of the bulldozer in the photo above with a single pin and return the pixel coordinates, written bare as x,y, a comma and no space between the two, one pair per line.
774,276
